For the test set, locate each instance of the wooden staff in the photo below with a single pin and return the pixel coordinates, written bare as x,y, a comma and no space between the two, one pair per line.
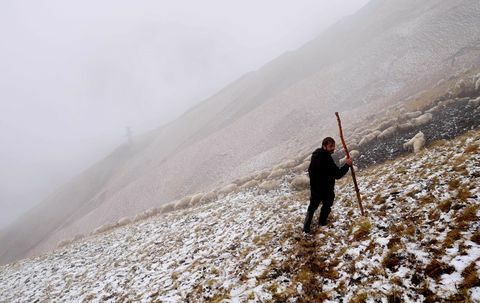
352,170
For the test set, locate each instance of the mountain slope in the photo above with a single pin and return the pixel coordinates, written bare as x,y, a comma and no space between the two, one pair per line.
419,243
384,54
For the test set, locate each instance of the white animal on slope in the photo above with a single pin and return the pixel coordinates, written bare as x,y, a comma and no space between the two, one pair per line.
477,85
423,119
300,183
405,126
388,132
353,154
460,87
370,137
410,115
474,102
417,142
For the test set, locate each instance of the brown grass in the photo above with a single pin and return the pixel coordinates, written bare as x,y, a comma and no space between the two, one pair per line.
453,184
379,199
395,297
437,268
363,230
463,194
427,199
411,229
451,237
470,277
434,214
472,149
476,237
359,298
469,214
392,260
445,205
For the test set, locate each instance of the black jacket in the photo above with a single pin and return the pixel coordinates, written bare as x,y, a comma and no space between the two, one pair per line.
322,172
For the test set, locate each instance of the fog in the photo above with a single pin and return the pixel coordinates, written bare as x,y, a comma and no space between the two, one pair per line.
75,74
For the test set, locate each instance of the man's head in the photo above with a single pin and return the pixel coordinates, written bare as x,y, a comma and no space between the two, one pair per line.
328,144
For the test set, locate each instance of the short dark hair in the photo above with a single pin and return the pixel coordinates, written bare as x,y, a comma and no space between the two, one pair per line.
327,141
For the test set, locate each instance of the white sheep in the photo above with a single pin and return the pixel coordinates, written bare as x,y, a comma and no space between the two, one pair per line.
262,175
168,207
460,87
63,243
370,137
302,167
410,115
249,184
417,142
183,203
353,154
276,173
474,102
423,119
388,132
406,126
386,124
231,188
103,228
477,86
196,199
124,221
435,109
243,180
300,183
285,165
208,197
269,185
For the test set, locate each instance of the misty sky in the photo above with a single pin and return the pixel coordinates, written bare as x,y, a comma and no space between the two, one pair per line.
74,74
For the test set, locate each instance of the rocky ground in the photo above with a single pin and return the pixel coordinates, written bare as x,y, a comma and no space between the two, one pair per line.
420,242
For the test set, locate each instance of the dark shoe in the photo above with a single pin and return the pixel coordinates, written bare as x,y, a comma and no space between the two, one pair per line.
308,222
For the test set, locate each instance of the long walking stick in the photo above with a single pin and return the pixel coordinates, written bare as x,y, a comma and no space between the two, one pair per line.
352,170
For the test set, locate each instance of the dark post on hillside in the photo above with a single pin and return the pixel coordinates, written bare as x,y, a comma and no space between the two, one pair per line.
351,168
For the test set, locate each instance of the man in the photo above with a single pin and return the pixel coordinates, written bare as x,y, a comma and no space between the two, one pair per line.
323,171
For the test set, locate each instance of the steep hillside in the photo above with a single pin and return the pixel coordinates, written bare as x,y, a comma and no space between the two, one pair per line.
382,55
420,242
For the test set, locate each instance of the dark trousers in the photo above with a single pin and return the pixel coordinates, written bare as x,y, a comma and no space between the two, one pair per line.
327,202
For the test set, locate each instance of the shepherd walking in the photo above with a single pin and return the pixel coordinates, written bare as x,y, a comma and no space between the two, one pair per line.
322,172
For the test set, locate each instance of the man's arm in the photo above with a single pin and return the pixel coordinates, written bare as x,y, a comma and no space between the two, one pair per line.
340,172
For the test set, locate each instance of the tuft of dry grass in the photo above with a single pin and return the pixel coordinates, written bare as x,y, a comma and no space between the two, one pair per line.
359,298
470,277
469,214
395,297
451,237
364,227
476,237
434,214
411,229
472,149
445,205
427,199
392,260
437,268
453,184
379,200
463,194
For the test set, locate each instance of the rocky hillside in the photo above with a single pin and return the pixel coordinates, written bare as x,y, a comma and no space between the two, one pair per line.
386,53
419,242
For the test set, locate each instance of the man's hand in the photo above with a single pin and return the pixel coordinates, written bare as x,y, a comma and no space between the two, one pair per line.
349,162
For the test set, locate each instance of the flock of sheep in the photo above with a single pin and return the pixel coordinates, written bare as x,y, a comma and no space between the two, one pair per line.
396,119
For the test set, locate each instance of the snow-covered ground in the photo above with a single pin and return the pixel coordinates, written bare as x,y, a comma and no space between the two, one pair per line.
420,242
